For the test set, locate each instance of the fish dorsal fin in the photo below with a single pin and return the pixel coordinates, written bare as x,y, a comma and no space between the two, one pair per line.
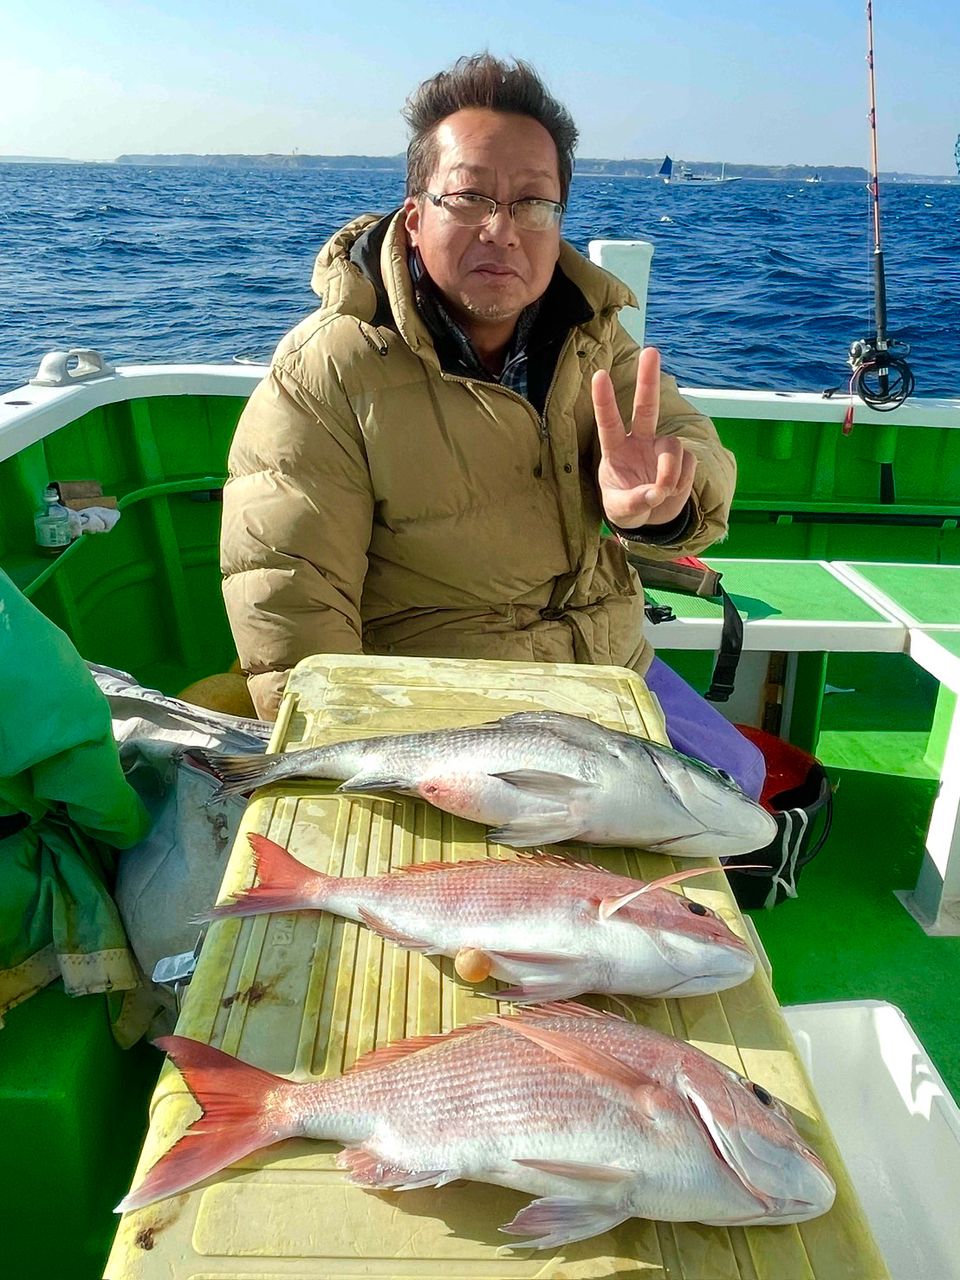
577,730
527,860
596,1063
412,868
565,1009
609,906
384,1054
540,858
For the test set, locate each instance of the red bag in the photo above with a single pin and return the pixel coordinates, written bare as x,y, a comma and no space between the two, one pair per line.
797,792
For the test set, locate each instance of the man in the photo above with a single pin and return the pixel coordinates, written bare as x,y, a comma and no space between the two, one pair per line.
427,466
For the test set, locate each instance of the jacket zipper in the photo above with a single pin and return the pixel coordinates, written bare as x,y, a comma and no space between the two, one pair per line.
543,430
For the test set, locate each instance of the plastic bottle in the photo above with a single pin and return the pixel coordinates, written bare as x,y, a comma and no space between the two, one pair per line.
52,524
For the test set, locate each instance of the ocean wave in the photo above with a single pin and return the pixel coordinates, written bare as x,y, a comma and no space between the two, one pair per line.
758,284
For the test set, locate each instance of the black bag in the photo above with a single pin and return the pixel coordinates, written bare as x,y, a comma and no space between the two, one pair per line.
799,796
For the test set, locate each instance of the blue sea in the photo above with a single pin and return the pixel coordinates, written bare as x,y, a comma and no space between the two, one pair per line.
754,284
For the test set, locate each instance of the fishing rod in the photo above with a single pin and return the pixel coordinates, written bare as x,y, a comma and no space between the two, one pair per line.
881,378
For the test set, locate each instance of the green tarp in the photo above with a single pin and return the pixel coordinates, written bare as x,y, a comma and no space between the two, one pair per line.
60,767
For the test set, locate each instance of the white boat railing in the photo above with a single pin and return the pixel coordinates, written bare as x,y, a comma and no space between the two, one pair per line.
30,413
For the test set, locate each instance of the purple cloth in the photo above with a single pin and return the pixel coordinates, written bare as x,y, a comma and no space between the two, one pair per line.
696,727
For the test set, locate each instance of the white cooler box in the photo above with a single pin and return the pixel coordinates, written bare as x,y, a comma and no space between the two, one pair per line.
897,1127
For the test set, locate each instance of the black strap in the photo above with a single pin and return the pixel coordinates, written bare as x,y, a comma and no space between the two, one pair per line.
728,658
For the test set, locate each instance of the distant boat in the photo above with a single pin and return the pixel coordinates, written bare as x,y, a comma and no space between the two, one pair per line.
686,174
814,177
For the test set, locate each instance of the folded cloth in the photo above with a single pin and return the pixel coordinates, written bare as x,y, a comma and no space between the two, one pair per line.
97,519
174,872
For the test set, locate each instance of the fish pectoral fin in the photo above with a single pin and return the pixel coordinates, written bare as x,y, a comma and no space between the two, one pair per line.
551,959
593,1062
562,1220
580,1170
554,976
361,783
536,828
666,844
540,782
553,822
387,931
535,991
367,1168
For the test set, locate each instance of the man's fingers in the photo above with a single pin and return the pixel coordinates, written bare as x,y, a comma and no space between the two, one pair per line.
687,472
669,464
610,428
646,398
675,472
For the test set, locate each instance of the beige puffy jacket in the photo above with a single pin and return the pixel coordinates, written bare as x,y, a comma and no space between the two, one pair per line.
376,504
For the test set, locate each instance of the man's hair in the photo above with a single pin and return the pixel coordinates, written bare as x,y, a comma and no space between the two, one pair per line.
483,81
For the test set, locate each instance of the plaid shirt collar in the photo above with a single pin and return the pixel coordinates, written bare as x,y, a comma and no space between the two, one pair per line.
442,324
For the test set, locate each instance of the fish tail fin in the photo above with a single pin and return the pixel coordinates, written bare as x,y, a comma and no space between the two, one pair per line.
243,1107
283,884
238,774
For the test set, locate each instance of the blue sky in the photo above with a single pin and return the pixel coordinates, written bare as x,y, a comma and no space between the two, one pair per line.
737,80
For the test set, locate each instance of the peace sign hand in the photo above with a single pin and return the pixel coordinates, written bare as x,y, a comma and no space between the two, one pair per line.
644,478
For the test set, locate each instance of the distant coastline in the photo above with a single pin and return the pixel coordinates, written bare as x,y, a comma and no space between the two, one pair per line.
584,167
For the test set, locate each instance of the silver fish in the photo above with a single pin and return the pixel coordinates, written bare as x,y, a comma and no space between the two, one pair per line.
537,778
601,1118
556,928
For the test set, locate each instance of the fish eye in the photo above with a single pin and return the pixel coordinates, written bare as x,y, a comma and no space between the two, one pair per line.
762,1095
697,908
727,777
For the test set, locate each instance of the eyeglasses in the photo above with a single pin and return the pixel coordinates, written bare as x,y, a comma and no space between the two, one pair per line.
470,210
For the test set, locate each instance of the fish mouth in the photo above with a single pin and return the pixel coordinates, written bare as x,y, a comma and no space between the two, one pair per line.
726,963
819,1198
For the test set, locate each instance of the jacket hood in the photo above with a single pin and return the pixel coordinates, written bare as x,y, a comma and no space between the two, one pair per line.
348,272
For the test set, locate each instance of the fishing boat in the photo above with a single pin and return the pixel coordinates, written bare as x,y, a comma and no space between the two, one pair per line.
843,561
684,173
834,499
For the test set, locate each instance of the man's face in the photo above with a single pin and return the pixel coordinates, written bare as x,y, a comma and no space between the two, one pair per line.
488,274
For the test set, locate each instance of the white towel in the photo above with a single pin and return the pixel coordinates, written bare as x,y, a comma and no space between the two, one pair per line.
98,519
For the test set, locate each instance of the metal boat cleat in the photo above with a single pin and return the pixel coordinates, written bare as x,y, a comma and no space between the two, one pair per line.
64,368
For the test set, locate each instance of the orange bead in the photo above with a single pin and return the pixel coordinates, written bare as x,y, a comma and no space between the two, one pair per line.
472,965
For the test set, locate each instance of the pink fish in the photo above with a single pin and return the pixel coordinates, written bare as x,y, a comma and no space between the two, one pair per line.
554,928
600,1118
